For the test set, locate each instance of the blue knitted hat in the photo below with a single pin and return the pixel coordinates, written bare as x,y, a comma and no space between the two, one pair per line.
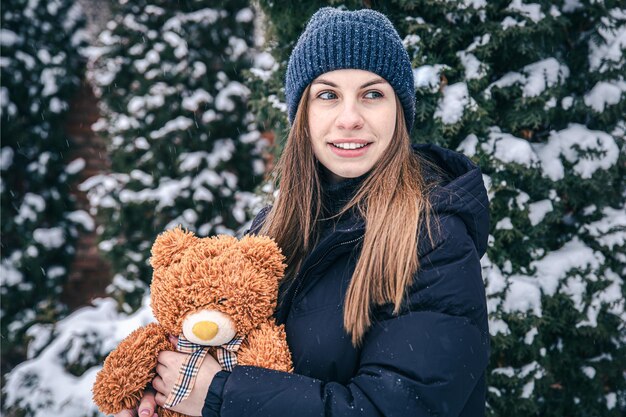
363,39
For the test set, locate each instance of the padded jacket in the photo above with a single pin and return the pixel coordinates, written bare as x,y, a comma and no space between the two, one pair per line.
428,360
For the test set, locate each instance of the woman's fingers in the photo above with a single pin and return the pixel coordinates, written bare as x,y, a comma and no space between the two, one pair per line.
168,358
161,370
160,399
147,405
159,385
168,368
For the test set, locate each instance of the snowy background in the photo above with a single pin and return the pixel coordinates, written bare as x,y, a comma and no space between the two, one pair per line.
184,94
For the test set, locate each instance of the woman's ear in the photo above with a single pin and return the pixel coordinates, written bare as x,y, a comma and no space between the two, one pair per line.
170,246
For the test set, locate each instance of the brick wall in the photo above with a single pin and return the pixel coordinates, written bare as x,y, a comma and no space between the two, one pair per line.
89,273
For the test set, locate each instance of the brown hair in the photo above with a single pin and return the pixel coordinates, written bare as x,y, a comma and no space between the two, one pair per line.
392,200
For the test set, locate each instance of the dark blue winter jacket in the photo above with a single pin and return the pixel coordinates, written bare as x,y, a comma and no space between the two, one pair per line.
429,360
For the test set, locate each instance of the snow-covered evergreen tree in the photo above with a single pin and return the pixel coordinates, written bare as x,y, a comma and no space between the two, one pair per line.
184,147
535,93
40,68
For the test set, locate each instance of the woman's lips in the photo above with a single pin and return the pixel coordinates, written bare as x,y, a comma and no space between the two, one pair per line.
349,148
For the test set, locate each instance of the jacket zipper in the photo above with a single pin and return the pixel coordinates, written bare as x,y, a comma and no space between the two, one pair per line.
301,278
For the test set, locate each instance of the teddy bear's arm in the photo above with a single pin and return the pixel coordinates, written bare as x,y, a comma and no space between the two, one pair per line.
129,369
266,346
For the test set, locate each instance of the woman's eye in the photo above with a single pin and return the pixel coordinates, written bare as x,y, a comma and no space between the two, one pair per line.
373,94
327,95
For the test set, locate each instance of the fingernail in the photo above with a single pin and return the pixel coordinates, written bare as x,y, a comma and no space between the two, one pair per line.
144,412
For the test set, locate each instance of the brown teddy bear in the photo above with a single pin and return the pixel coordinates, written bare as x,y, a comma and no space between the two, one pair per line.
218,295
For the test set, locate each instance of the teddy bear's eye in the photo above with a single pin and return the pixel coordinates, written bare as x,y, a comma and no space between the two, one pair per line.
222,300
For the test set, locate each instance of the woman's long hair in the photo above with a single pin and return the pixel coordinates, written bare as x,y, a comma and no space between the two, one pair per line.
392,200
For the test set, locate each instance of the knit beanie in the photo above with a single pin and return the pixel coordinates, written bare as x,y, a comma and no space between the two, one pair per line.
362,39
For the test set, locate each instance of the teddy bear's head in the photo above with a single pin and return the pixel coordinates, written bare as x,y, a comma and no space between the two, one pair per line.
209,289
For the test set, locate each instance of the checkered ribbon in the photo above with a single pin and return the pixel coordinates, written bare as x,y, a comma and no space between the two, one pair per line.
226,356
227,353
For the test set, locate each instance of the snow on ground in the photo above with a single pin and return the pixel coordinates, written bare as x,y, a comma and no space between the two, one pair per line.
59,392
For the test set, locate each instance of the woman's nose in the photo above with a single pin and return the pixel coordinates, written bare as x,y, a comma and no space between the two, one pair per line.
349,117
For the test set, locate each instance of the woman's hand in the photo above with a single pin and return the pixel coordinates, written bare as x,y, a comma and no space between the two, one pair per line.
168,366
145,409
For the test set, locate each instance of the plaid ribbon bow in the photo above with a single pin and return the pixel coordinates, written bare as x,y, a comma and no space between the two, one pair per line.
226,356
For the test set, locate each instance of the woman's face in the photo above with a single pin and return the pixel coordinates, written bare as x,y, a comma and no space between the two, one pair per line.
351,120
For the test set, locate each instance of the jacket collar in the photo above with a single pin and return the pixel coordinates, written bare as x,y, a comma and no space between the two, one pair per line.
461,191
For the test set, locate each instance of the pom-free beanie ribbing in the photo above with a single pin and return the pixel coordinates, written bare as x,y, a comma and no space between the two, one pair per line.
363,39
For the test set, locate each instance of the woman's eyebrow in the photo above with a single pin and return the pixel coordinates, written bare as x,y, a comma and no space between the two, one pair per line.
332,84
372,82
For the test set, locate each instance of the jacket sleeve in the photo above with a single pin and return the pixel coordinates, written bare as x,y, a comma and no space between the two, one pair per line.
425,361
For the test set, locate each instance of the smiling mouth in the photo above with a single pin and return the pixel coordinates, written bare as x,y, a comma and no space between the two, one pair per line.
349,145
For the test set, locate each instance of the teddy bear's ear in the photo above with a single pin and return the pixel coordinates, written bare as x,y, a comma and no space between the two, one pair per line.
264,254
170,246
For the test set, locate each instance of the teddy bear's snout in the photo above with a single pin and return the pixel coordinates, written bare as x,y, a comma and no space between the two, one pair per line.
209,327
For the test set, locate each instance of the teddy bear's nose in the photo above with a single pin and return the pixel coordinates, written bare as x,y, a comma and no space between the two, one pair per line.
209,328
205,330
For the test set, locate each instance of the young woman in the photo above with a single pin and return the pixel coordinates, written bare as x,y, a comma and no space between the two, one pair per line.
383,301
